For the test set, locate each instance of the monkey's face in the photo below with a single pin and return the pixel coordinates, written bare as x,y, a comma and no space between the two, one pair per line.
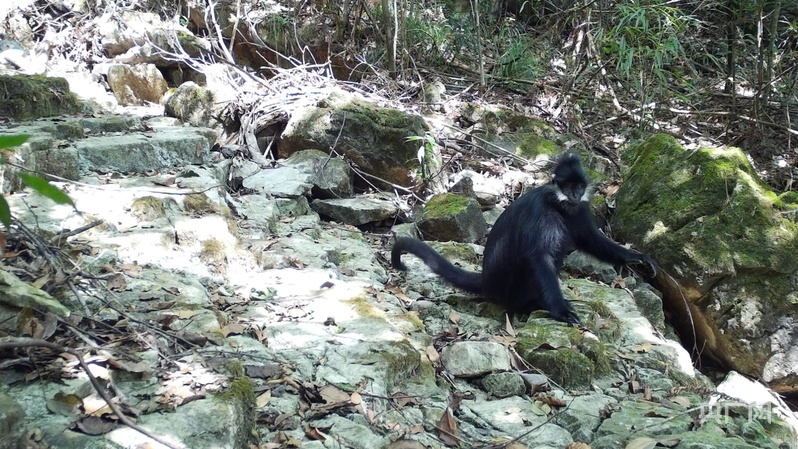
571,193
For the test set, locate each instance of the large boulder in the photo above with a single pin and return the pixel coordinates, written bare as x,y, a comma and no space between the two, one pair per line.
375,138
726,244
27,97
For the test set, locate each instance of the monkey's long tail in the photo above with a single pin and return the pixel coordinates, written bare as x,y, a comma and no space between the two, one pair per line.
460,278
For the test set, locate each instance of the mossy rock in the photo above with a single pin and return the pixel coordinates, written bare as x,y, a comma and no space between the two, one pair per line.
453,217
726,244
28,97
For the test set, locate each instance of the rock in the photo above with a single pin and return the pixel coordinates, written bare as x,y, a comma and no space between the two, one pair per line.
140,153
514,416
226,422
12,422
285,182
136,84
452,217
373,137
649,301
192,104
475,358
735,272
502,385
584,415
585,265
355,211
331,176
27,97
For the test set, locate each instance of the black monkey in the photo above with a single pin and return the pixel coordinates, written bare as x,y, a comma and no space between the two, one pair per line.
526,247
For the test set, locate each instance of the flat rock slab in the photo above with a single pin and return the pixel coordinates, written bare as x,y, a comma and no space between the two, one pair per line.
355,211
142,152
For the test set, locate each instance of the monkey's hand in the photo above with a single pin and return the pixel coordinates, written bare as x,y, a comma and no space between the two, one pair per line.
644,259
567,315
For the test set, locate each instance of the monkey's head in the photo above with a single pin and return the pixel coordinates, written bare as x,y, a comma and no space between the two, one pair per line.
570,181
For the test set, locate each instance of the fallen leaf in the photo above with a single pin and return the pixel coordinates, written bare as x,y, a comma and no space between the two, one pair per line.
117,282
447,428
432,354
93,425
641,443
263,399
508,326
681,400
333,395
64,404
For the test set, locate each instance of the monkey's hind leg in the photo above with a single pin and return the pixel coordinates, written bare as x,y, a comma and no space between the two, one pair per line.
542,288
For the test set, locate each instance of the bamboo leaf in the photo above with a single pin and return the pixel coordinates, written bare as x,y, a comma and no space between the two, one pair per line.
44,187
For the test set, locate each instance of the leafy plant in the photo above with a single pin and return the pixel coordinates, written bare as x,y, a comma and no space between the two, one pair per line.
37,183
644,41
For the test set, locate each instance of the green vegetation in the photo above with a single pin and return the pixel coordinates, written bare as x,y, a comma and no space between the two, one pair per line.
37,183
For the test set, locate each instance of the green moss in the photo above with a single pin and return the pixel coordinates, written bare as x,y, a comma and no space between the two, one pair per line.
364,308
197,203
213,251
445,205
566,367
594,350
456,251
29,97
415,320
533,145
709,205
402,358
563,353
235,368
148,208
70,129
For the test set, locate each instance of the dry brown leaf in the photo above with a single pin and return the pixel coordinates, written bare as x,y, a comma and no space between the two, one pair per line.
314,434
641,443
117,282
131,270
508,326
233,328
405,444
432,354
263,399
681,400
96,406
29,324
578,445
333,395
447,428
93,425
39,283
64,404
552,401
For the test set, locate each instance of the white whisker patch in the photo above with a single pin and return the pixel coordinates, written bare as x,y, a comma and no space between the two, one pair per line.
561,196
587,195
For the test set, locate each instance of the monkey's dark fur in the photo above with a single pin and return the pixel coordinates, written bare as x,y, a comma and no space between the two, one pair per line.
526,247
